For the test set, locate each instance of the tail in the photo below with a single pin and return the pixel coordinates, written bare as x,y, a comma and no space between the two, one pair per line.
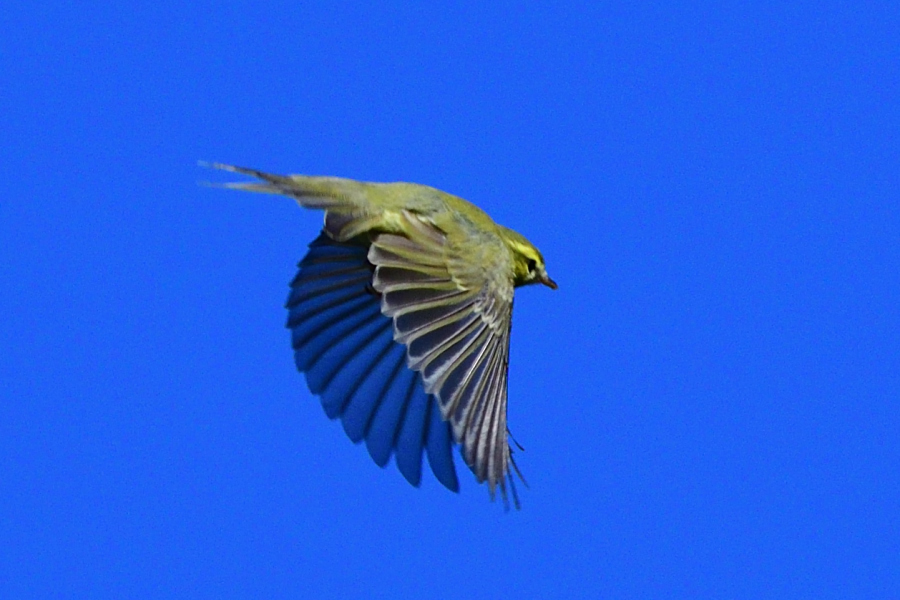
326,193
273,184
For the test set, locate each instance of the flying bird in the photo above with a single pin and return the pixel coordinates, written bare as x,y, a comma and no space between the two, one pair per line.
400,318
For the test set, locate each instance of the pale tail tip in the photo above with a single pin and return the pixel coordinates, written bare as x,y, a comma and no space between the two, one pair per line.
222,167
230,186
266,187
216,165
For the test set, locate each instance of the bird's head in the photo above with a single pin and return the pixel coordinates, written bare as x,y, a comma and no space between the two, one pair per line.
528,264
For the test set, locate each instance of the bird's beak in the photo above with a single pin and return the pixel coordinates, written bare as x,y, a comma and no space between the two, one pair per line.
549,282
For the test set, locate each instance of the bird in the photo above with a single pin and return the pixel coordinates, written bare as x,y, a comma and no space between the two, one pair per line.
400,317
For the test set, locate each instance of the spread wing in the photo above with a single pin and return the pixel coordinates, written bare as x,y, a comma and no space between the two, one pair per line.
345,346
451,302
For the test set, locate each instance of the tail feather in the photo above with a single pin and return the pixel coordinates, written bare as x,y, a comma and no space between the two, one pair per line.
310,192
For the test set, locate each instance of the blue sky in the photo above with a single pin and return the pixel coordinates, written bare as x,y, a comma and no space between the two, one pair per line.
708,404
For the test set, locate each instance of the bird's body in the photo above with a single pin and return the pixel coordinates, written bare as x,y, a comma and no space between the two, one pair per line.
421,284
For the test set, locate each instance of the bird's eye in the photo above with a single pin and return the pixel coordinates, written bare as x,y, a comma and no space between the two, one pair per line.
532,265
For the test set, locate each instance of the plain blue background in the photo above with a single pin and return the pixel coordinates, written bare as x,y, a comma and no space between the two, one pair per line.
709,403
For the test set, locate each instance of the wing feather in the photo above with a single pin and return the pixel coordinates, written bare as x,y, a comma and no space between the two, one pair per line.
428,353
382,432
345,346
368,392
451,304
439,447
411,438
461,384
411,325
399,301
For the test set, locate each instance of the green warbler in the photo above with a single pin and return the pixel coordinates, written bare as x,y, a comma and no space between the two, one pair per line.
400,318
